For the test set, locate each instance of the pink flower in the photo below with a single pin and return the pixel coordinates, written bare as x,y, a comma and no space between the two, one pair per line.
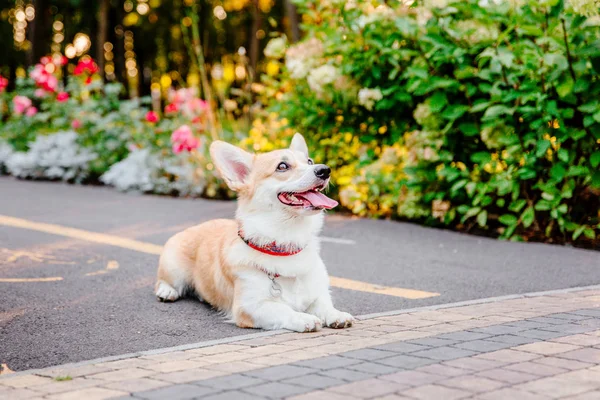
183,139
43,78
87,66
31,111
3,83
21,103
62,97
76,124
171,108
39,93
151,116
45,60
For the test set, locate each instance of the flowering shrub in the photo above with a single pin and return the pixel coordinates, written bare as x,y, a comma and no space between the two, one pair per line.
480,115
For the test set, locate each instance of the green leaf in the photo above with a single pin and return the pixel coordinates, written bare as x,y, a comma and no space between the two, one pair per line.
508,219
577,170
454,112
517,205
497,110
578,232
468,128
565,88
481,157
482,218
595,159
558,172
437,101
596,180
526,173
589,233
528,217
590,108
542,147
543,205
563,155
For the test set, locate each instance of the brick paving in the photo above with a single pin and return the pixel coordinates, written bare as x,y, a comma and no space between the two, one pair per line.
538,347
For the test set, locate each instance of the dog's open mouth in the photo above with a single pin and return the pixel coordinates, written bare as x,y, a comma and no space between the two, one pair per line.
312,199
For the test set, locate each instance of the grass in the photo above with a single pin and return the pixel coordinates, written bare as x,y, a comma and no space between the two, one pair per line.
63,378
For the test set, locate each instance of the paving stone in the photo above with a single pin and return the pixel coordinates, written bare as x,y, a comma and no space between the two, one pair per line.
347,375
579,340
328,362
232,395
568,316
314,381
555,387
279,372
429,392
528,324
507,375
406,361
540,334
583,375
320,395
276,390
590,312
136,385
547,348
401,347
26,381
367,354
464,336
124,374
175,392
497,329
512,339
482,346
444,353
562,363
570,328
585,355
508,356
510,394
66,386
472,383
17,394
230,382
595,395
189,375
441,369
372,368
368,389
87,394
547,320
538,369
433,342
413,378
474,364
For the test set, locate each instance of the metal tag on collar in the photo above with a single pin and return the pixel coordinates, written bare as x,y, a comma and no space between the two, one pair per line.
275,288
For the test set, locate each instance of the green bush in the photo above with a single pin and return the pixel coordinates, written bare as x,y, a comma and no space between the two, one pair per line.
495,105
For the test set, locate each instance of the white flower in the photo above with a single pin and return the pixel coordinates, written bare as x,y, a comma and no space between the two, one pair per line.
368,97
587,8
56,156
300,58
276,48
298,68
322,76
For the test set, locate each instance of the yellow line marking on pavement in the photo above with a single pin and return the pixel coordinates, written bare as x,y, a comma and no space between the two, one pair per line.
4,370
101,272
151,248
112,264
18,280
75,233
378,289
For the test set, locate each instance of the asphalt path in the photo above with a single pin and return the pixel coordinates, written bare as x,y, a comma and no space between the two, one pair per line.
103,303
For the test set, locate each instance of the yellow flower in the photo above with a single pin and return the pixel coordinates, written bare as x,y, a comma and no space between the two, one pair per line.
382,129
272,68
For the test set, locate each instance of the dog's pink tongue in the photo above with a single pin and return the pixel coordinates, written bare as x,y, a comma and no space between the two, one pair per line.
318,199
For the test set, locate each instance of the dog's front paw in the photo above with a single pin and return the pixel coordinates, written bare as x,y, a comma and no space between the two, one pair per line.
339,319
302,322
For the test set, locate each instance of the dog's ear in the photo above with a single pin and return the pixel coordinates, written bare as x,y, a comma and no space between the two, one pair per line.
233,163
299,144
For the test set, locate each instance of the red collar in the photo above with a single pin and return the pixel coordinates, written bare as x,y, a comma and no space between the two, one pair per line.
272,249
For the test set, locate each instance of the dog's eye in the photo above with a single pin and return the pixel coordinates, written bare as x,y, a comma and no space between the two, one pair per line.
283,166
310,161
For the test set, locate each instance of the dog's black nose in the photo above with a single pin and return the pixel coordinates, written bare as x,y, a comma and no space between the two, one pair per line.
322,171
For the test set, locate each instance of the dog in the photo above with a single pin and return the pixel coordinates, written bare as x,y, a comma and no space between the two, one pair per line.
263,269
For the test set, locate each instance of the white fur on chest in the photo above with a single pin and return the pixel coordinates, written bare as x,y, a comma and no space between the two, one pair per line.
302,279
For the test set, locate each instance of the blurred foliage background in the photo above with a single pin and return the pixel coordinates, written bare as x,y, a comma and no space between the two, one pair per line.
144,43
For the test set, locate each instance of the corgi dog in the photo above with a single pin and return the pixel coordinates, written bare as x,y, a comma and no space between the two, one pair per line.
262,269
